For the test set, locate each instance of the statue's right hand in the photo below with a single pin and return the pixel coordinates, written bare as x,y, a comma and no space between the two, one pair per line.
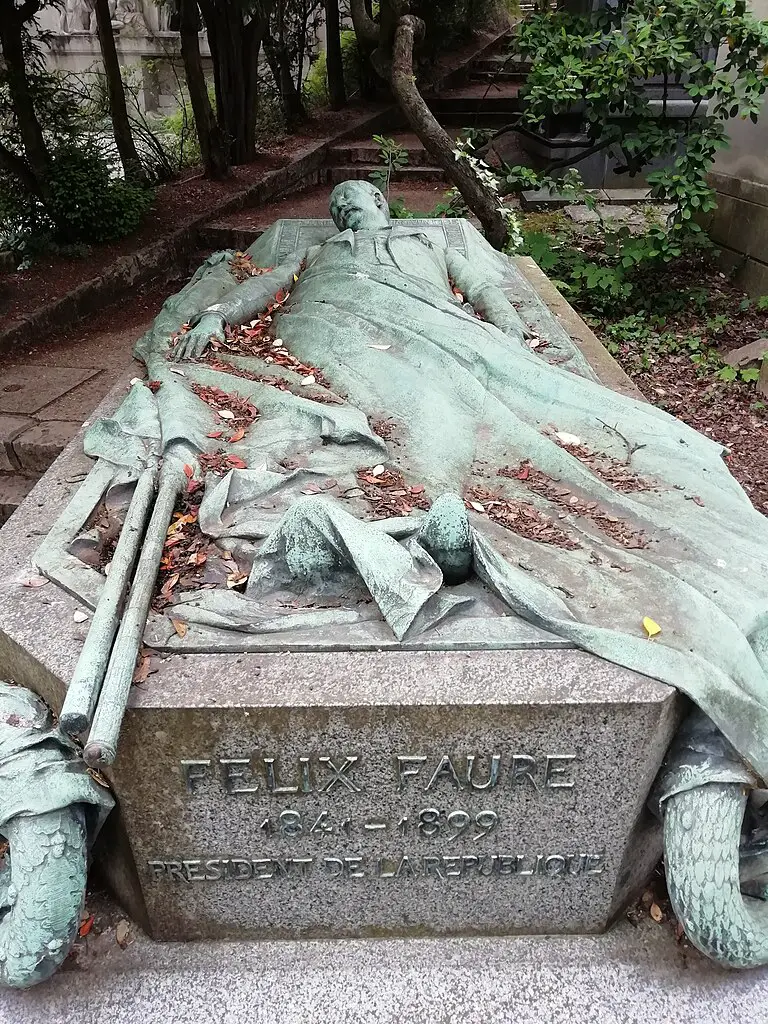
192,344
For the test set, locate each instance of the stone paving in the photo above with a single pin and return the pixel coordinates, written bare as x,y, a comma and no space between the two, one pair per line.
48,389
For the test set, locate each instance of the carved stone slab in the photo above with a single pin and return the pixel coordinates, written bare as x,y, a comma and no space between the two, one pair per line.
390,794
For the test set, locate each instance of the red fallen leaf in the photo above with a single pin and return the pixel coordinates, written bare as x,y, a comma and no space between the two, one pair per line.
189,472
280,297
85,926
698,500
169,584
215,434
237,436
418,489
154,386
524,473
236,462
179,627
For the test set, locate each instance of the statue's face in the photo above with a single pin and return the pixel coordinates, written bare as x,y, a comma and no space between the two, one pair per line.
359,205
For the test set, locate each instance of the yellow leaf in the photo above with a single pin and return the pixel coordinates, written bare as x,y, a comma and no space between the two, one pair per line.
651,628
657,913
180,627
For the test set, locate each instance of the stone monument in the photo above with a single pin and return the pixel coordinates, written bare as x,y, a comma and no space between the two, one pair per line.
416,591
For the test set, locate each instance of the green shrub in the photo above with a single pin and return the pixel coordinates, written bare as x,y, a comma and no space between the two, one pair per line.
316,82
179,130
88,204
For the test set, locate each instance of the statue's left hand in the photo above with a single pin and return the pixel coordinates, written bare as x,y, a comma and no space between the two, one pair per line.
192,344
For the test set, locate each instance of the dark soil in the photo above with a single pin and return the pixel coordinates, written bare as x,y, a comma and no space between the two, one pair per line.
693,298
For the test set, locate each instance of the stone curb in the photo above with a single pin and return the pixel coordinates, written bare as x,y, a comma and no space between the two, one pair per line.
602,362
161,259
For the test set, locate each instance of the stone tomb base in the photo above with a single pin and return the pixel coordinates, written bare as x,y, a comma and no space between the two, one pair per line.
390,794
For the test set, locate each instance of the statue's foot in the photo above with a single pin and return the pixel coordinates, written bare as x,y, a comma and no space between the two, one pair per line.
446,535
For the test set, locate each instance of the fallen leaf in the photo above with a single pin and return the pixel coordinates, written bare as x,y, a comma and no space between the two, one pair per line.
524,473
180,627
85,926
308,380
80,616
215,434
698,500
310,489
142,670
98,777
236,462
188,472
176,370
477,506
34,582
651,628
169,584
122,933
237,436
236,579
377,471
656,913
381,348
566,438
226,414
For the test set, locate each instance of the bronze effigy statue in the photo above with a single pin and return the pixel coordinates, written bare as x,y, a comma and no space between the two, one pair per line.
380,451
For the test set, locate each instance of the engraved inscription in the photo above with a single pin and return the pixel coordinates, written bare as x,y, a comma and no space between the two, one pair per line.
443,867
454,811
410,772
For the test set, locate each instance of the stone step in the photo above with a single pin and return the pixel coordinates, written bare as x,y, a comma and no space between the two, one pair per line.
499,62
335,175
498,75
478,98
631,974
367,152
13,490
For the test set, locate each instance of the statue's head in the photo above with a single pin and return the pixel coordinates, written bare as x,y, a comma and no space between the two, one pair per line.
359,205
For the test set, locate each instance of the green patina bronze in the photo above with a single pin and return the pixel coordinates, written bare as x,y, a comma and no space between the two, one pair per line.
50,812
634,514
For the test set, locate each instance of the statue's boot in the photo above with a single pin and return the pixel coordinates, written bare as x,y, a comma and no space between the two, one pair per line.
309,552
445,534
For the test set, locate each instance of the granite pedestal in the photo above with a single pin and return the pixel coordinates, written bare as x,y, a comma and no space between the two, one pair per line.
372,794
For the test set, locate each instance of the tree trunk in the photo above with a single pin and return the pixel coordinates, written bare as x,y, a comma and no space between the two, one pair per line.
213,147
337,94
118,110
37,160
483,203
276,52
366,29
235,51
